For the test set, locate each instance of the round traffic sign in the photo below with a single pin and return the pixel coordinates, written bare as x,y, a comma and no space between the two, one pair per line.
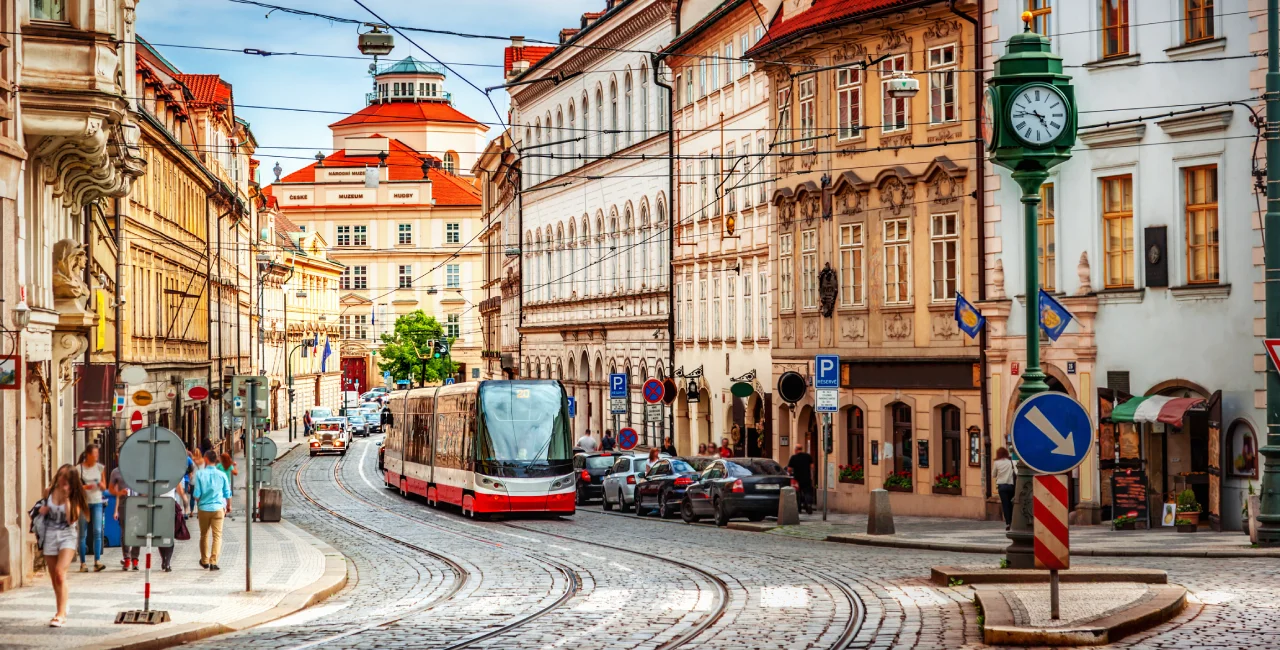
198,393
669,390
142,398
627,439
791,387
137,467
135,421
1052,433
653,391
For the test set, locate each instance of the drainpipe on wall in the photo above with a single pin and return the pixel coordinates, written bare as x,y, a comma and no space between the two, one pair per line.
671,229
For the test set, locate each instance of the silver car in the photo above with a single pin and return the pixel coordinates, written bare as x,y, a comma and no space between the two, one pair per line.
620,483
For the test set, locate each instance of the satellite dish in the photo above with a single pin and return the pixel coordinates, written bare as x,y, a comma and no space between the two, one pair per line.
792,387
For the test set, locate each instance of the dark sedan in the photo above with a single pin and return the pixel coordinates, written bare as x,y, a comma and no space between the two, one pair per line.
735,487
663,484
591,470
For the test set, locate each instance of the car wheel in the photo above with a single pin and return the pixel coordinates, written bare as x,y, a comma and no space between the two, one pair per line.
605,503
722,515
664,510
579,499
755,517
639,506
622,502
313,454
686,512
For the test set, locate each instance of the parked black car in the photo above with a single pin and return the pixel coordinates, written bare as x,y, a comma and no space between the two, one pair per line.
735,487
591,469
663,484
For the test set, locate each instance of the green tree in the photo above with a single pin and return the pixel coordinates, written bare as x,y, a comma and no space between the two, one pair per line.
403,349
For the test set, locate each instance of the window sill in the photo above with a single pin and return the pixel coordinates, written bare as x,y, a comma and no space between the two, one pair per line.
902,307
1123,61
1120,296
1197,292
1197,48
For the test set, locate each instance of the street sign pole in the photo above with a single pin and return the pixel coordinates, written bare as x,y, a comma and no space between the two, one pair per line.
148,471
822,467
251,422
827,382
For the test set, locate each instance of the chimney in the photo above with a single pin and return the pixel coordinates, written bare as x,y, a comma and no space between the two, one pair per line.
517,41
568,33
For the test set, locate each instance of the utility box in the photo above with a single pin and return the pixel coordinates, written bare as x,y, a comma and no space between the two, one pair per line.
269,504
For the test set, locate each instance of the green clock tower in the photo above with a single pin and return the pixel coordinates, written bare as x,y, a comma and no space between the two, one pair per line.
1029,124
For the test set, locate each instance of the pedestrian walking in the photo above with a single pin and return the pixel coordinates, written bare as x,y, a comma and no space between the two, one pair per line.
608,442
669,448
205,445
1003,468
228,467
725,450
117,487
211,490
179,529
653,456
55,520
801,468
93,477
587,443
195,461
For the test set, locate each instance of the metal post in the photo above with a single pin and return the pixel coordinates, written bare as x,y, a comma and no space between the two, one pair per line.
151,517
1269,517
1053,594
250,421
287,370
822,468
1021,550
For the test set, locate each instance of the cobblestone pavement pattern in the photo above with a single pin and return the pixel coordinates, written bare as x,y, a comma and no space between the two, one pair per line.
783,592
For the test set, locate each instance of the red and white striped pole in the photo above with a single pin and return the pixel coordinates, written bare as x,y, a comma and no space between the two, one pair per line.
1052,535
146,586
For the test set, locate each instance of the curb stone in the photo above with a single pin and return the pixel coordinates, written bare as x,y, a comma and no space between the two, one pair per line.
330,582
1086,552
999,627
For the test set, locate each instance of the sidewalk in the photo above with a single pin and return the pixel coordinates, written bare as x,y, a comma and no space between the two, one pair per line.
971,536
292,570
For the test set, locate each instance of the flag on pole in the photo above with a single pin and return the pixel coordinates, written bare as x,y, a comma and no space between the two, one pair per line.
324,359
968,317
1054,318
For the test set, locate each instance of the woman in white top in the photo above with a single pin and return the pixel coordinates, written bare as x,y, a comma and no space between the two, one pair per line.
61,512
94,477
1004,475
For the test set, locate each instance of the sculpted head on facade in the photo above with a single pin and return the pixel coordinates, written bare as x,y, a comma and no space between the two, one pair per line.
69,260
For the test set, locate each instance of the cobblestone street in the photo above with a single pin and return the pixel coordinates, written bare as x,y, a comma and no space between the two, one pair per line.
425,577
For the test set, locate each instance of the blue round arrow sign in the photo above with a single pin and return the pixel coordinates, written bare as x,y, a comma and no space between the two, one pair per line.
1052,433
627,439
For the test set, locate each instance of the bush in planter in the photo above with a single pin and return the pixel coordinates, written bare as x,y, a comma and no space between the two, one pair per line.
851,473
1187,502
1185,525
898,480
947,481
1122,521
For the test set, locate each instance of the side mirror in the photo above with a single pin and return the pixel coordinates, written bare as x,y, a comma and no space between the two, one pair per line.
379,443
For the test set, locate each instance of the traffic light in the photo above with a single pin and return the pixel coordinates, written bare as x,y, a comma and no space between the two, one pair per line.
442,349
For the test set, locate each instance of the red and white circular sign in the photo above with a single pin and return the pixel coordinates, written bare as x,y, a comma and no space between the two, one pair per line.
135,421
198,393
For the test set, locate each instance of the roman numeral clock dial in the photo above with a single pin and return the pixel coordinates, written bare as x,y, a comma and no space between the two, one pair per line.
1038,114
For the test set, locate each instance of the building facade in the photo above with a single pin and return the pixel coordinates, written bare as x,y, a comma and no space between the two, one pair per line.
398,217
1162,229
875,234
721,245
594,213
498,178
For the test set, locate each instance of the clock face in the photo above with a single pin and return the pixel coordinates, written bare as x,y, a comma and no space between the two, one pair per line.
1038,114
988,121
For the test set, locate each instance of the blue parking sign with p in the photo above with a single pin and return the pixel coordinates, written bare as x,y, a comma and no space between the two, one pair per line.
826,371
573,407
618,385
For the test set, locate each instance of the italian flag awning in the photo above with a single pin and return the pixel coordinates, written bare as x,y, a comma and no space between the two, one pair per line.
1155,408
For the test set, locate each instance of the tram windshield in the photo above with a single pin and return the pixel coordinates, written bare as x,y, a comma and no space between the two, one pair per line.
526,430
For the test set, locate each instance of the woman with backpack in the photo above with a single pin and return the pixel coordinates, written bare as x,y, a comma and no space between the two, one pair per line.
55,520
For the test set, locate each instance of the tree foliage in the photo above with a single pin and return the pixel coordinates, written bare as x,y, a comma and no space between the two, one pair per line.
402,349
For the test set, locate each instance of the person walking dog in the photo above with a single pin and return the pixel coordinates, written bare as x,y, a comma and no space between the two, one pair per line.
212,490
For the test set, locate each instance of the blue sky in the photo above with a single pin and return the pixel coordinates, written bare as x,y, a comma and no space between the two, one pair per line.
339,84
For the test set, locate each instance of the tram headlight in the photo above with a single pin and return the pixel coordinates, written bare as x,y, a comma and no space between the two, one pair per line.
562,482
492,484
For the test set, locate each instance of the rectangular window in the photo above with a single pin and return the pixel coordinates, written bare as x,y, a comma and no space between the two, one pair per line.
679,303
715,309
714,71
747,167
785,272
48,9
453,326
405,276
942,84
344,326
762,185
703,189
344,280
1040,24
896,111
453,276
784,120
360,328
851,268
945,248
359,277
730,163
1115,28
730,308
717,170
1198,17
404,234
1047,252
453,233
763,307
1117,227
702,78
344,235
808,113
360,235
688,309
728,63
747,315
688,86
1202,223
849,103
809,268
897,261
745,67
702,310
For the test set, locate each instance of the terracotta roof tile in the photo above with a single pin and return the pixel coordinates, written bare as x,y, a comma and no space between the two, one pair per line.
530,53
821,13
405,165
401,112
207,88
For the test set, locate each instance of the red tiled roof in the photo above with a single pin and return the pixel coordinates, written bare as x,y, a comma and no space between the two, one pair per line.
530,53
269,198
207,88
405,165
823,12
401,112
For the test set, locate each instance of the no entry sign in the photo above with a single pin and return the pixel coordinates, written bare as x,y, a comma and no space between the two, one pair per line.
135,421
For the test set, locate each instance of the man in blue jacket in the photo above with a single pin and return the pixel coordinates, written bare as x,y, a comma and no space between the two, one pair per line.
211,490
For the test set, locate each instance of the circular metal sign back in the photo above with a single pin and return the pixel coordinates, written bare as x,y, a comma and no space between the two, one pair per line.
669,390
791,387
264,449
136,467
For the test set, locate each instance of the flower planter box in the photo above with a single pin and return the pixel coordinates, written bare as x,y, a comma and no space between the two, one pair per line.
896,488
1193,517
1128,526
855,481
1187,528
937,489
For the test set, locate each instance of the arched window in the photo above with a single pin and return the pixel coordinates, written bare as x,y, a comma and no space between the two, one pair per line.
586,126
528,141
601,249
612,244
660,242
626,106
450,162
854,436
573,133
644,101
548,151
534,290
537,152
557,268
584,250
628,252
570,266
952,451
600,123
613,114
642,243
559,137
901,414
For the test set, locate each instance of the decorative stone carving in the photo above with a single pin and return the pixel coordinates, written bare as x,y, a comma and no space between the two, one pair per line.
942,29
899,141
69,260
896,327
997,280
894,194
810,209
788,329
786,214
1083,272
894,39
828,289
849,51
810,329
67,348
943,189
90,166
944,327
850,201
853,328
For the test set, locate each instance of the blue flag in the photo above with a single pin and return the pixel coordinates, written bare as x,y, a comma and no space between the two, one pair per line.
1053,316
324,359
970,320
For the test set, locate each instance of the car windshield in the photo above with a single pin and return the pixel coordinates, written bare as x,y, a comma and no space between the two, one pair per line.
329,426
320,413
356,419
680,467
525,429
599,462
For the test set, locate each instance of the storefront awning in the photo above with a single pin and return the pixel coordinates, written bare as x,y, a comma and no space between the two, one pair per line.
1155,408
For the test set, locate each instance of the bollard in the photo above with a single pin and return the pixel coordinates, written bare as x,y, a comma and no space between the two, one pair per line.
880,518
269,504
788,509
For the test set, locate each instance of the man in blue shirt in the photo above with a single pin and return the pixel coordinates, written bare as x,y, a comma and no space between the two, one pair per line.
211,489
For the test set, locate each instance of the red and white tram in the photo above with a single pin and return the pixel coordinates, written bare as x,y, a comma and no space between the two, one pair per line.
488,447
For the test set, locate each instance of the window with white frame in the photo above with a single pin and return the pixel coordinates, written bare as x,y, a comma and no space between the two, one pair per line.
453,233
784,120
344,326
688,86
453,276
896,112
404,234
688,193
359,235
747,315
762,290
848,103
49,10
713,71
702,78
355,277
405,276
453,326
717,167
897,261
344,236
744,67
688,309
762,185
703,189
809,268
785,272
945,244
728,63
715,306
730,308
679,303
748,167
703,328
730,192
627,108
942,84
808,113
851,264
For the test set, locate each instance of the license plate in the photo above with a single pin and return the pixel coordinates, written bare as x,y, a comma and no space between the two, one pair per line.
768,486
